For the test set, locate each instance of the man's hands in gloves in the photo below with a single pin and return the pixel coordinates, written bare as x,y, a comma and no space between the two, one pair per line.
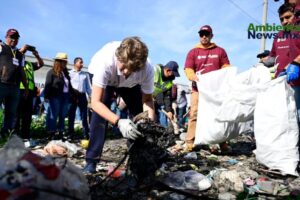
128,129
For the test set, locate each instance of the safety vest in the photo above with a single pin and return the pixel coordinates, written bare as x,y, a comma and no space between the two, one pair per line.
28,68
160,86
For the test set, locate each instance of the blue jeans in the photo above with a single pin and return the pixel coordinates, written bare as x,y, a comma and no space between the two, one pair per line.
133,99
181,112
162,119
9,95
58,108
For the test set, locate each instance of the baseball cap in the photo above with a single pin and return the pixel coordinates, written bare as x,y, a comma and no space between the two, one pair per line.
172,65
12,33
206,28
263,54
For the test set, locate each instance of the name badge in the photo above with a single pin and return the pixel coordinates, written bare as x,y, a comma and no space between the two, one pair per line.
15,61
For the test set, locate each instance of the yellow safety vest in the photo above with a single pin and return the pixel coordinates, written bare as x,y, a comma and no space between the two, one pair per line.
160,86
28,68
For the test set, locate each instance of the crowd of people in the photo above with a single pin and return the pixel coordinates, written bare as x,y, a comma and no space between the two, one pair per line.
121,83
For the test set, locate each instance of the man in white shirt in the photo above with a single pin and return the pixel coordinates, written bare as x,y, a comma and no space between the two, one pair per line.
81,84
120,67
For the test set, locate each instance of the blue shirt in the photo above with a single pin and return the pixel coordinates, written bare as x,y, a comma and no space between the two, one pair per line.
80,81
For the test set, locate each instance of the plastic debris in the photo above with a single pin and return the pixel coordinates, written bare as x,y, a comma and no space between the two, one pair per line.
249,182
25,175
190,180
117,173
232,161
191,155
58,147
84,144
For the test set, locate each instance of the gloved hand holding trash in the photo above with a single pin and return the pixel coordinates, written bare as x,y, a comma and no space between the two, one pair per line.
128,129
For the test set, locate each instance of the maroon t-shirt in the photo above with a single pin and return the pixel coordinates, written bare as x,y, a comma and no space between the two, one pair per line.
208,60
285,49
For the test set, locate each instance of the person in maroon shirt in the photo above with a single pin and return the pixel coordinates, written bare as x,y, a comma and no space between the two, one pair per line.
204,57
296,4
286,50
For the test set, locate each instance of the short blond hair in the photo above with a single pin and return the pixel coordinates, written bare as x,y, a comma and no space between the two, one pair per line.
132,53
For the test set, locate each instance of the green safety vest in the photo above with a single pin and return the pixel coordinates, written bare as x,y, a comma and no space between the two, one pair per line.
160,86
28,68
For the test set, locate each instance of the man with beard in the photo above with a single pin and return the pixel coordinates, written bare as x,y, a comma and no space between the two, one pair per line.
163,82
204,57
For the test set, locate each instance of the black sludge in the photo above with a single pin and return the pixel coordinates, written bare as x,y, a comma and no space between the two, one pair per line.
148,153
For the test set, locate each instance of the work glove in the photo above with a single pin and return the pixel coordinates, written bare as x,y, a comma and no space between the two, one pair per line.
128,129
292,72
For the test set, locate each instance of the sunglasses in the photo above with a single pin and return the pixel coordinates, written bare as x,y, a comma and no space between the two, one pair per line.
13,38
204,33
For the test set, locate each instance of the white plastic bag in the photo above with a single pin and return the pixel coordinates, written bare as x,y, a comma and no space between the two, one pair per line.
239,102
276,128
226,103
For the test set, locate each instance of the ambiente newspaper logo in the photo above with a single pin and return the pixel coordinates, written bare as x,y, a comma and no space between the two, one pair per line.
270,31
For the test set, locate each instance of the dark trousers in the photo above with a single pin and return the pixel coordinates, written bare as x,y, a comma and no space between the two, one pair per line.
24,114
9,95
133,99
80,102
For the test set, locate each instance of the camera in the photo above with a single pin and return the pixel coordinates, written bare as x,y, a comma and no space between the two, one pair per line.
30,48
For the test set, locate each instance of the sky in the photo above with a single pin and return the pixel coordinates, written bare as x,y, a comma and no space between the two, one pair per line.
168,27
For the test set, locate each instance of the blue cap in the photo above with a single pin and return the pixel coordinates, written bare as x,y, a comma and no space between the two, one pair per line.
172,65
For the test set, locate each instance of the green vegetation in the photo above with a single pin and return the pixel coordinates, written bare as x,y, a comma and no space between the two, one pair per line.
38,129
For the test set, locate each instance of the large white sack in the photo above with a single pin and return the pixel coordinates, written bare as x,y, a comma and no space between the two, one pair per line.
275,127
239,103
213,88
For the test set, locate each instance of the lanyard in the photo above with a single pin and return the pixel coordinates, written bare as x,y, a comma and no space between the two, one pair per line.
14,52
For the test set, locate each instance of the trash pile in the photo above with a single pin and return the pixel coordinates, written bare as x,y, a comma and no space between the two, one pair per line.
26,175
153,172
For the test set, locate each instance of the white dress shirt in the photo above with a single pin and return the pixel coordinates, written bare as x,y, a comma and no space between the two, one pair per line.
80,81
